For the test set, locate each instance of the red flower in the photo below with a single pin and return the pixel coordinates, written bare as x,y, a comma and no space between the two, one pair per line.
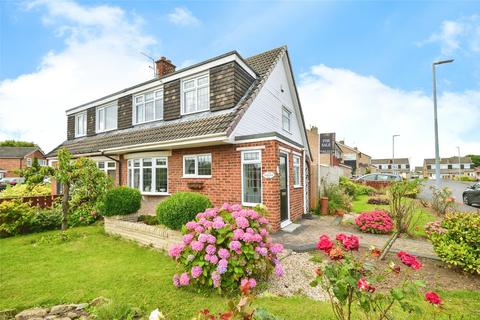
394,267
409,260
350,242
325,244
375,252
362,284
340,236
335,254
433,298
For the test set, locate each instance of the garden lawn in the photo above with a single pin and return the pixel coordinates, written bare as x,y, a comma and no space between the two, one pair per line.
421,216
36,271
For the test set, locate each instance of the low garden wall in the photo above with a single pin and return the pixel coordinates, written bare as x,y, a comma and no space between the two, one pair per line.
127,227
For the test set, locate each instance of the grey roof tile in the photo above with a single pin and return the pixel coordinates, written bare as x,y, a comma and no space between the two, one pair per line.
15,152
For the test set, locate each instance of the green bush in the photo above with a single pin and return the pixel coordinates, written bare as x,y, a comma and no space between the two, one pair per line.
180,208
47,219
457,240
354,189
147,219
25,190
83,215
121,201
338,199
466,178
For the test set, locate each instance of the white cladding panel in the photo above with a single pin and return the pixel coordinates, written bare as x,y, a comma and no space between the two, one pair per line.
265,113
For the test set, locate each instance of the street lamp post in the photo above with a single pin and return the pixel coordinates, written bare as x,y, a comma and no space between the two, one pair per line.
459,173
437,151
393,152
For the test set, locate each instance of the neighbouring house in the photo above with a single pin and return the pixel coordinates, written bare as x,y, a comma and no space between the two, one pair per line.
326,165
418,172
229,127
399,166
359,162
477,172
13,159
449,167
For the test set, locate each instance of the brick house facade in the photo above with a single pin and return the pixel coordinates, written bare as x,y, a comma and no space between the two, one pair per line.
13,159
249,146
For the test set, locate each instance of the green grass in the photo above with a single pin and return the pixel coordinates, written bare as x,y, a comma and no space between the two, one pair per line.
421,216
92,264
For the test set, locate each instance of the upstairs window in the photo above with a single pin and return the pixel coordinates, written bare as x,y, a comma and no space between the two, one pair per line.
106,118
148,107
81,124
195,94
286,118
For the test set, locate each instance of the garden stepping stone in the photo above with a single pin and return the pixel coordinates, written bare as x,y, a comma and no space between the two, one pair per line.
31,314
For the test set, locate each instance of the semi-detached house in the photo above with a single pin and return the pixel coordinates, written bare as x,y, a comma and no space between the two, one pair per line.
230,128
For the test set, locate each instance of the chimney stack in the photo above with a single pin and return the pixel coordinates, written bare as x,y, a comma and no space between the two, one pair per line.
164,67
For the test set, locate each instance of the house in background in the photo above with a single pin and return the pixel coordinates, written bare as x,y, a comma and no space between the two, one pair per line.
228,127
418,172
400,166
359,162
16,158
449,167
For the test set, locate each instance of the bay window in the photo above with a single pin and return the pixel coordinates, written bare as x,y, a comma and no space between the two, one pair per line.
148,107
106,118
108,167
197,166
296,172
195,94
149,175
251,177
81,124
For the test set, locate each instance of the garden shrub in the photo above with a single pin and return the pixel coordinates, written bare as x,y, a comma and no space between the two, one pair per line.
225,247
355,189
148,219
46,219
456,240
15,218
83,215
26,190
442,200
338,199
374,222
121,201
180,208
378,201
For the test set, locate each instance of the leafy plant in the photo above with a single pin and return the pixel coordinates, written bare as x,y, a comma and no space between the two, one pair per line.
83,215
35,174
121,201
374,222
15,218
456,240
16,143
148,219
442,200
25,190
180,208
223,247
355,189
338,199
379,201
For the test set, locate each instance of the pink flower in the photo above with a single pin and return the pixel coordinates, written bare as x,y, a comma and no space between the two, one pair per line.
211,239
263,232
196,272
236,207
363,285
187,238
203,237
216,279
276,248
409,260
213,259
350,242
223,253
218,223
250,231
191,225
325,244
253,214
263,251
235,245
176,250
197,246
199,229
279,270
433,298
211,249
222,266
241,222
263,220
227,207
184,279
176,280
238,234
253,283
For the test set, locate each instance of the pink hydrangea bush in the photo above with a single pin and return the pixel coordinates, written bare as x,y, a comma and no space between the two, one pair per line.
374,222
225,247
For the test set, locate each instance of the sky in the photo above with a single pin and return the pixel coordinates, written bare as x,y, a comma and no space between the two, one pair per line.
363,69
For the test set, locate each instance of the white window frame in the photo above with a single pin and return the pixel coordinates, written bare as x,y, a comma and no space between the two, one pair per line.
287,114
103,109
195,88
84,120
259,161
130,167
297,166
42,162
195,157
143,96
29,162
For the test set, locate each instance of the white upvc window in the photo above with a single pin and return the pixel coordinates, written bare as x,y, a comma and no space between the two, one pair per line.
106,118
286,119
197,166
108,167
296,172
81,124
251,167
42,162
195,95
149,175
148,106
29,162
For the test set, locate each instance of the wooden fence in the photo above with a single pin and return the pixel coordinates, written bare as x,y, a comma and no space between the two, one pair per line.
375,184
36,201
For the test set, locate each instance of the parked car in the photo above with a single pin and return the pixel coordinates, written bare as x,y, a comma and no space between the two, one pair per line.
4,182
471,195
379,177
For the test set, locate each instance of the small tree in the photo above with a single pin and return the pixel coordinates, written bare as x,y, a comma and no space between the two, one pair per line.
65,174
35,174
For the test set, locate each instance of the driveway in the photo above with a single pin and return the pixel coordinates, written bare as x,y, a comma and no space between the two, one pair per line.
457,188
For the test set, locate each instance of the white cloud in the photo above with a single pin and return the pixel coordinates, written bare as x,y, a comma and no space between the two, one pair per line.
101,55
183,17
366,113
457,35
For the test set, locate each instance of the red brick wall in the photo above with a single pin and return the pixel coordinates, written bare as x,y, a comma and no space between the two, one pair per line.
10,165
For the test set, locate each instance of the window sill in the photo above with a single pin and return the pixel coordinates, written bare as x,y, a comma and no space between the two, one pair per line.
196,177
149,121
297,187
155,194
188,113
103,131
80,136
248,204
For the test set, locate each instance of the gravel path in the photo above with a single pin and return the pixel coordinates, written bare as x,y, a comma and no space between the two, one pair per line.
299,272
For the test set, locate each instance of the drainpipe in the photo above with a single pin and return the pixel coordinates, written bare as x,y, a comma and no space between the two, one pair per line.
119,167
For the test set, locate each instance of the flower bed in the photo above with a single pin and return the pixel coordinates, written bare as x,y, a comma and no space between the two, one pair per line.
374,222
224,247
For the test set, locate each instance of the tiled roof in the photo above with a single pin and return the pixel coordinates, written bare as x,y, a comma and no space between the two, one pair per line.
203,124
451,160
16,152
389,161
